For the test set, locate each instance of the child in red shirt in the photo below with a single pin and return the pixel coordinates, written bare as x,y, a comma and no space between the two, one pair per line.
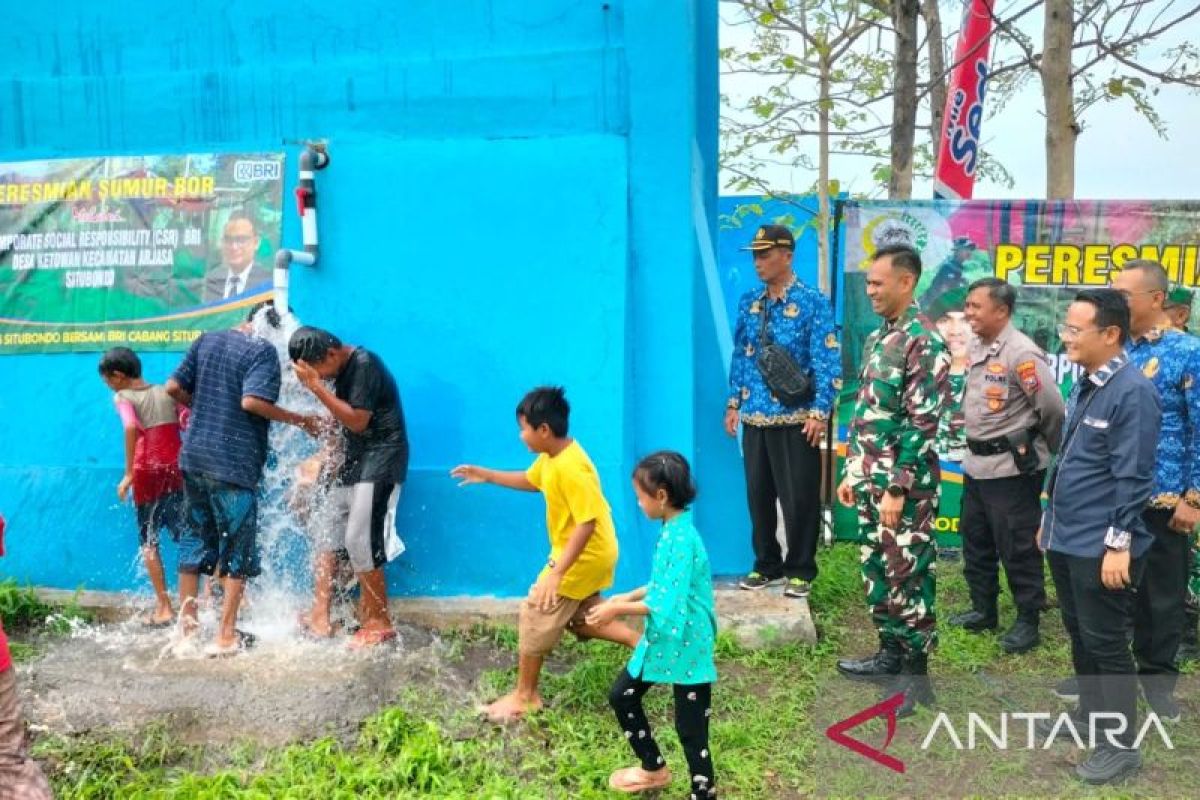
152,423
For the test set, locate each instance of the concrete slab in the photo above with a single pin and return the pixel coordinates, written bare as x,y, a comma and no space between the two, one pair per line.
757,619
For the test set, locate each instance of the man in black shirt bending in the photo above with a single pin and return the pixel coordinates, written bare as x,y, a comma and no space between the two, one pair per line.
366,404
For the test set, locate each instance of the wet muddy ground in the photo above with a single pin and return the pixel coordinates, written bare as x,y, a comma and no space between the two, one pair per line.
120,678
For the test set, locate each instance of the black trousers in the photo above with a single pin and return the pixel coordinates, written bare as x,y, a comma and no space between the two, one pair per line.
782,465
1162,600
999,524
693,704
1100,624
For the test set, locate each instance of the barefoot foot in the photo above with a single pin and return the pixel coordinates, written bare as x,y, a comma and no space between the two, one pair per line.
511,708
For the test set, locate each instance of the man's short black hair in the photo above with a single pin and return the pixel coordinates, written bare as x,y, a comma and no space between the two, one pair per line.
546,405
999,291
122,360
903,257
1161,282
272,315
1112,309
242,213
311,344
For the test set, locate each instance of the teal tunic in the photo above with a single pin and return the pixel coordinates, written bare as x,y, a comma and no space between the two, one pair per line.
681,630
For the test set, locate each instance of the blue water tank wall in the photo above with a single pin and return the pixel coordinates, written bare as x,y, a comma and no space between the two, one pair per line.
521,192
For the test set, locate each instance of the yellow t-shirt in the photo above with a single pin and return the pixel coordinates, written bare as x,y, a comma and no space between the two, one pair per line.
571,486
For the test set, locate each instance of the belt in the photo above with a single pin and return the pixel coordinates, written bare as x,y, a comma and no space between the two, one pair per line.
994,447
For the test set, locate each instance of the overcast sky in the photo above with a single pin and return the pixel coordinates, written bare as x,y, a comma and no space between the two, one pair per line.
1119,155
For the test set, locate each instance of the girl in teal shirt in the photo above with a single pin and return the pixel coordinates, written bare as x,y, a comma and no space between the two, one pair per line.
681,628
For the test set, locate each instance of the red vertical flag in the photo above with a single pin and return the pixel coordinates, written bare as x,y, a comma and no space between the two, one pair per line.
958,149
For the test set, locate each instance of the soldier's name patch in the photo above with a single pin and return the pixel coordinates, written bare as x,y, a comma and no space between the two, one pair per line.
992,378
1027,372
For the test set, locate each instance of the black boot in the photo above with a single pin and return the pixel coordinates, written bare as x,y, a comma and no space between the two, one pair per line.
976,620
913,681
1023,636
882,666
1189,648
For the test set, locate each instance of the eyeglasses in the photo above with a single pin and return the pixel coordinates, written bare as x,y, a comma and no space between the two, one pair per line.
1066,331
1127,294
238,240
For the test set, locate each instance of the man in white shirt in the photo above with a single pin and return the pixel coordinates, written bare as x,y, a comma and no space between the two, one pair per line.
237,273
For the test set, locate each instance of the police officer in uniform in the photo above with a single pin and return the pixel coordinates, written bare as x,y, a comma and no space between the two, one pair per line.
1014,415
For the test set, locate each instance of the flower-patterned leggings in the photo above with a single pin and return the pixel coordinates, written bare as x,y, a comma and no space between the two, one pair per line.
693,707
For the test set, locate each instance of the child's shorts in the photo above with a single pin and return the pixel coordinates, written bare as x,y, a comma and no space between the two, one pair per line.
361,519
222,528
167,512
538,632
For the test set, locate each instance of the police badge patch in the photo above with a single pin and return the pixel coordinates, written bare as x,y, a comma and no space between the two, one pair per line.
1027,372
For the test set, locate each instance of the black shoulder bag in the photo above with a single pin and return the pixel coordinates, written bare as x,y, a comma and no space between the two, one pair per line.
783,376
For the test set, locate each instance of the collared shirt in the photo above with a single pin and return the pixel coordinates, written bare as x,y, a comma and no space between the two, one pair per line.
904,387
223,441
681,631
801,322
1105,471
1171,360
1010,388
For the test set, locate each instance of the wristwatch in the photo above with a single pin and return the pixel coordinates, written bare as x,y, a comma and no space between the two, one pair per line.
1117,540
895,491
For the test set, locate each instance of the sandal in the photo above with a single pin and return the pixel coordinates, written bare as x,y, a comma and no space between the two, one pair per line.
366,639
632,780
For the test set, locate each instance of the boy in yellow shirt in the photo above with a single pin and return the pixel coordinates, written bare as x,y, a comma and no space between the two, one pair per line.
583,545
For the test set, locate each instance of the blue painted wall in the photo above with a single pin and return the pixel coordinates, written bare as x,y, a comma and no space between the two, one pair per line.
521,191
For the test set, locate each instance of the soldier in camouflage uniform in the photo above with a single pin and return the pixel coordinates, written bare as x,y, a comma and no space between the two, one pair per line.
892,477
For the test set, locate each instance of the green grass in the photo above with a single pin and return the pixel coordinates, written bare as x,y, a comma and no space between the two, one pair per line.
20,606
770,711
26,616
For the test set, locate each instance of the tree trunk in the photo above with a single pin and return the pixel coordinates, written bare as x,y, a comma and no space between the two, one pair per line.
1062,129
823,213
937,74
904,98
